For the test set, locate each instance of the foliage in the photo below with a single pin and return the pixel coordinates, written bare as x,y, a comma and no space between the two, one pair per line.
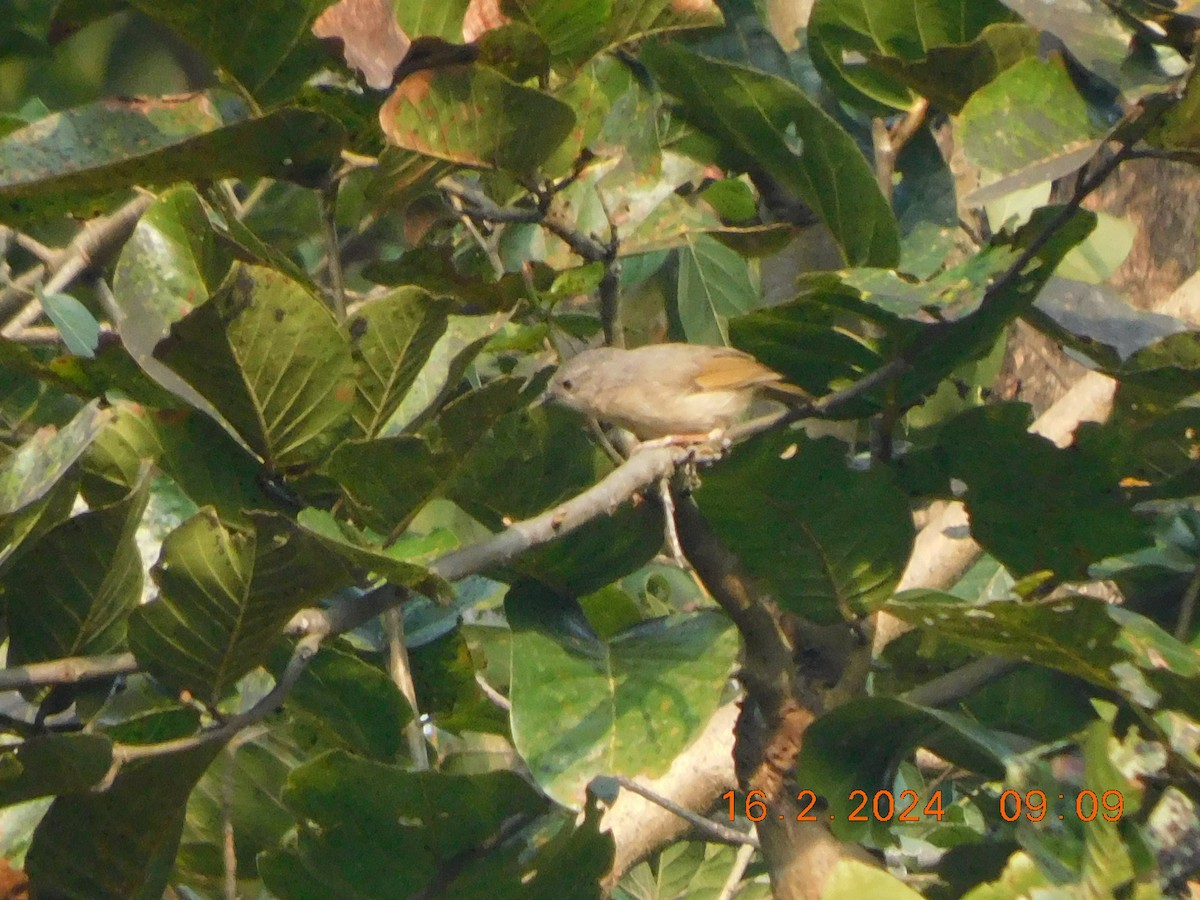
308,379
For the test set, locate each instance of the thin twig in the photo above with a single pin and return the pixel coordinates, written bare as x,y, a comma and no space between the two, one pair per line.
492,694
37,248
954,685
714,830
69,670
305,650
229,846
1187,607
95,242
400,671
740,863
328,195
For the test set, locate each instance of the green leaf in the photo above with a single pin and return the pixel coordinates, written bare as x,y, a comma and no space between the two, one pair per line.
351,704
226,596
171,263
570,29
255,51
246,792
356,547
1030,121
71,593
440,377
53,764
30,472
79,328
421,19
209,466
392,338
367,829
714,285
951,73
1101,38
828,542
1026,498
1101,643
1096,321
906,30
578,700
389,479
475,116
851,879
765,122
62,164
272,360
121,842
1170,367
856,746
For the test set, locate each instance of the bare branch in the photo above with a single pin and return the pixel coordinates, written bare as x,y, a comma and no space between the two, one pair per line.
713,830
302,655
327,197
70,670
95,242
400,671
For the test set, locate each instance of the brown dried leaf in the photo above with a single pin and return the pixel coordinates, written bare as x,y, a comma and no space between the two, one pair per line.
372,42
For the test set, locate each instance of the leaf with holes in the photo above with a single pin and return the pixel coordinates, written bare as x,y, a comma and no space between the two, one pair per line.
476,117
392,339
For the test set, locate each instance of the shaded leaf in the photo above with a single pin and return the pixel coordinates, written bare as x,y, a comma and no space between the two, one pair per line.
389,479
351,704
257,51
54,764
1101,39
1097,321
226,596
1030,121
908,30
122,842
58,164
949,74
857,746
714,285
269,356
392,338
1027,498
29,473
773,502
766,122
71,593
372,830
356,547
1104,644
78,327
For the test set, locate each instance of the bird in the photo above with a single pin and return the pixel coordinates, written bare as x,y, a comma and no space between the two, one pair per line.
673,392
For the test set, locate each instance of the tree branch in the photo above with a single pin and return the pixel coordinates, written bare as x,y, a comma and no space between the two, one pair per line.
95,242
713,830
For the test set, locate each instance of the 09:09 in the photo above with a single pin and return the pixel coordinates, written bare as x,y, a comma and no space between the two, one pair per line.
1033,805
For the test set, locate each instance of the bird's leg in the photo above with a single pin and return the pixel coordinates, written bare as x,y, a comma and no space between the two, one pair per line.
706,446
668,507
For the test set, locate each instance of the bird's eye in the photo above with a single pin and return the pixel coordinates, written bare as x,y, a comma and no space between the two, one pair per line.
567,385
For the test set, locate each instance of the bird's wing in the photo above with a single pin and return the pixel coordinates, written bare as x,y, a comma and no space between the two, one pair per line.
733,370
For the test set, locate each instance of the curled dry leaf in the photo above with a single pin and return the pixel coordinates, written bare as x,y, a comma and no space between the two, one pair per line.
481,17
372,42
